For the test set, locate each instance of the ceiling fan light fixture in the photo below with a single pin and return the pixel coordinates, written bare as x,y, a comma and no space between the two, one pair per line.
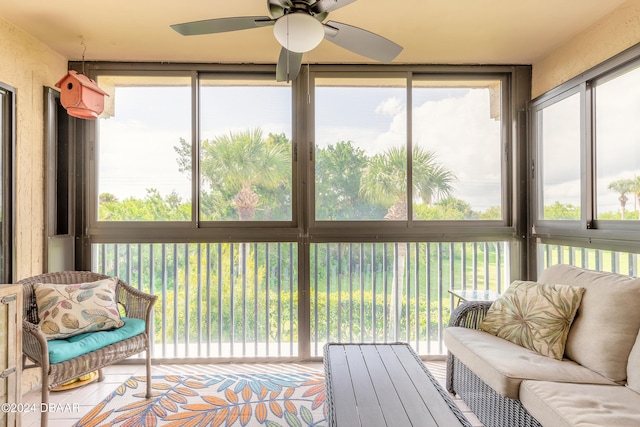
298,32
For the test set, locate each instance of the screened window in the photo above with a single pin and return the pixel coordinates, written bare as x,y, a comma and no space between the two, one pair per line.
457,156
245,150
144,167
363,149
586,168
617,137
559,145
361,157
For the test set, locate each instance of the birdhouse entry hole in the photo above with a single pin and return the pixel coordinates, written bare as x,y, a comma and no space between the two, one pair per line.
69,86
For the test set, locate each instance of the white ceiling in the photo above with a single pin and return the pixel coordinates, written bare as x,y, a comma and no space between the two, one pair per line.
431,31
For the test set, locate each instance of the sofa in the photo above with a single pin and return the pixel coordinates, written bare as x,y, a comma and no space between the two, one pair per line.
595,380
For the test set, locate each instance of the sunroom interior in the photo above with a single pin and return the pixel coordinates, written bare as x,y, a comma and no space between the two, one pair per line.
342,205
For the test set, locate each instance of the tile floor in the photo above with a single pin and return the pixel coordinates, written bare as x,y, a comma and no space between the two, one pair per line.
73,404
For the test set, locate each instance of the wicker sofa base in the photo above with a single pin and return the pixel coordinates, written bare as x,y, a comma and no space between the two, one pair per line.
491,408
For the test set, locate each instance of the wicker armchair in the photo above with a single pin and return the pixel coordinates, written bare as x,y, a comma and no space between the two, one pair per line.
136,305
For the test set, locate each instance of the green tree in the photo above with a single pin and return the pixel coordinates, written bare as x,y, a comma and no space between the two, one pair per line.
493,213
239,168
384,180
636,191
449,208
153,207
338,172
622,187
559,210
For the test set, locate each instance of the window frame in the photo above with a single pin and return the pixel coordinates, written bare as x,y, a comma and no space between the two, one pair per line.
613,225
8,141
226,224
588,232
194,229
482,229
537,166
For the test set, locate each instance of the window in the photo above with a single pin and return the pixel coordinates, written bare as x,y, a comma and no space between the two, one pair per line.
362,140
6,181
142,172
586,168
559,144
457,156
361,157
145,168
618,146
245,150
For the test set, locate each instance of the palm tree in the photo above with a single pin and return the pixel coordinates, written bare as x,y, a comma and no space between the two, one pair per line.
624,186
384,181
242,161
636,190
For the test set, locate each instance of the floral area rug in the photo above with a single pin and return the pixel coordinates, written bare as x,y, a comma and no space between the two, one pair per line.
271,400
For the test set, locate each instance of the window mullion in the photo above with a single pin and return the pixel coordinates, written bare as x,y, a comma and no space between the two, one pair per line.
195,149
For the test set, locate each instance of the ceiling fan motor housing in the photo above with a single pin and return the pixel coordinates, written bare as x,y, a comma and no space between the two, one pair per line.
298,32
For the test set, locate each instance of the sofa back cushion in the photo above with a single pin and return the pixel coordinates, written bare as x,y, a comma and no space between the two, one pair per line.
607,322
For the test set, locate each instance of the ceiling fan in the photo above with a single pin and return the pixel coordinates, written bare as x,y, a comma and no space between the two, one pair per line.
298,27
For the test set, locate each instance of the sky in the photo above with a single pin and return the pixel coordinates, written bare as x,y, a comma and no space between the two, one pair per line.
137,143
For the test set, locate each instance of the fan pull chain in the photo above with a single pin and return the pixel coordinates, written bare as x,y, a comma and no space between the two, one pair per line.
83,51
308,78
288,52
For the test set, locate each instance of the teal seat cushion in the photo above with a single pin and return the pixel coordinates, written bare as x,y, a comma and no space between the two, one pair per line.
77,345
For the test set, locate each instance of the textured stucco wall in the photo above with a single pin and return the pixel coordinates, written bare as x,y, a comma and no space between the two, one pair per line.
28,65
611,35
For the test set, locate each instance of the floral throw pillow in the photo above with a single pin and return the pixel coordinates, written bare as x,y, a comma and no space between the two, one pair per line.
68,310
535,316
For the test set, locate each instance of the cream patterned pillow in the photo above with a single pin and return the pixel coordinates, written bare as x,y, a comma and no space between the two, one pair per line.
535,316
68,310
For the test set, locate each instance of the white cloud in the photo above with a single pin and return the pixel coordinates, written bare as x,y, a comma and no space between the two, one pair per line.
467,141
390,107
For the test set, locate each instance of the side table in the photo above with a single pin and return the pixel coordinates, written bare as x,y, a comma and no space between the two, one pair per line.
474,295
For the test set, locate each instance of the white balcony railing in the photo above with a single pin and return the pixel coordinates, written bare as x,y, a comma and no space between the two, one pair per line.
229,300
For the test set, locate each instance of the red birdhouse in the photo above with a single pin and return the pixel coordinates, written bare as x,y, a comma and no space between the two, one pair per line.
81,96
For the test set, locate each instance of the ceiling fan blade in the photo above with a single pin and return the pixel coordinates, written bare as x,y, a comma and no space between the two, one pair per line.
289,64
222,25
286,4
329,5
361,41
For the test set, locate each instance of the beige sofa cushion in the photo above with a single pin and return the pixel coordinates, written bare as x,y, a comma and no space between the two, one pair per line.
569,405
633,367
503,365
607,323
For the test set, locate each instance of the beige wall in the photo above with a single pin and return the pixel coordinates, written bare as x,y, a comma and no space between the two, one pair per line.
28,65
611,35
